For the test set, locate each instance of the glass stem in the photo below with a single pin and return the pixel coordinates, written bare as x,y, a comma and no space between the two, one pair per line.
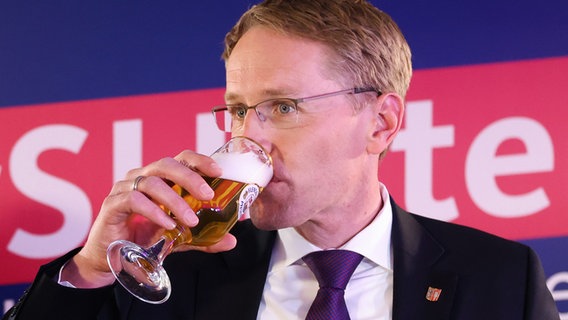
165,245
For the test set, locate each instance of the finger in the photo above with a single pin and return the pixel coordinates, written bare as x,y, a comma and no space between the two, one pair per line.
201,164
184,170
118,219
136,182
160,193
135,202
228,242
187,174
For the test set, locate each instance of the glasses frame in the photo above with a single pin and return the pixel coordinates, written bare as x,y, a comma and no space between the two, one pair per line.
263,118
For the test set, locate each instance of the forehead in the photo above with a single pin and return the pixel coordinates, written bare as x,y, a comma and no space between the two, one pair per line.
265,60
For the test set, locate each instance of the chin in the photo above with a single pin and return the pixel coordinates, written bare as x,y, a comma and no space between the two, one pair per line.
260,219
270,210
267,217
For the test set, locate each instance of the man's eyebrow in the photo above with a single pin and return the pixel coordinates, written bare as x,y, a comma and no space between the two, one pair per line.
231,97
267,94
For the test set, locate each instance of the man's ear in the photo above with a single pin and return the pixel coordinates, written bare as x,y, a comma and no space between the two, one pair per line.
388,112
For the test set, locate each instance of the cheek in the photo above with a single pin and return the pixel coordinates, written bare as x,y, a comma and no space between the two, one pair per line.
323,155
319,158
337,156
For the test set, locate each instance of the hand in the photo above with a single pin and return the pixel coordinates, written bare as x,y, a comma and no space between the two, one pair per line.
135,215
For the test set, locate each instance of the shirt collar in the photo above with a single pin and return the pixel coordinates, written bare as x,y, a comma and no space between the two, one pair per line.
373,242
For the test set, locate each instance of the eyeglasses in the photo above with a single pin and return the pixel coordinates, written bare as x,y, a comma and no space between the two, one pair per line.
281,113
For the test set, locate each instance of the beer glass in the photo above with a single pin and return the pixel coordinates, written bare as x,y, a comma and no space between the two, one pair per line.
247,169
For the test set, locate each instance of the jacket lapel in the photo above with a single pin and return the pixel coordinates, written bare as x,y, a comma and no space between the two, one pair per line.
238,277
421,290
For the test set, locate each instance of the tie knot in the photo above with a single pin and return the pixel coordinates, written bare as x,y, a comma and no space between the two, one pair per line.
333,268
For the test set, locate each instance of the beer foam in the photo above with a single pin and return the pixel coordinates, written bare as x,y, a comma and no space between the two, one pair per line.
244,167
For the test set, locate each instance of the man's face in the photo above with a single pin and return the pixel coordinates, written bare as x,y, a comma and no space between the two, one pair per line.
319,166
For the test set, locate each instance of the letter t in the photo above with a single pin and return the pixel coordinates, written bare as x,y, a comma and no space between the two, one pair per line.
418,139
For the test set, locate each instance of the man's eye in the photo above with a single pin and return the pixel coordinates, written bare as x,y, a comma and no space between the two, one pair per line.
238,112
283,107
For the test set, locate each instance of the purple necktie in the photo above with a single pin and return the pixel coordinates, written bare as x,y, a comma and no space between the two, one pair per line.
333,269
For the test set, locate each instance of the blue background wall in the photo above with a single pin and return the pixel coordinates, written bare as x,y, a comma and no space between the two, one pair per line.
74,50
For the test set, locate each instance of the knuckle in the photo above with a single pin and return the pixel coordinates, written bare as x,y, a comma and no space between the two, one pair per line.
135,200
185,154
133,172
165,161
149,183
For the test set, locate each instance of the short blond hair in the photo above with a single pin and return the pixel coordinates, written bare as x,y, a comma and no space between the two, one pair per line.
368,48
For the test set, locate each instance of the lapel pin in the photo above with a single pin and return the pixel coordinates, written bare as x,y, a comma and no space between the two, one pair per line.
433,294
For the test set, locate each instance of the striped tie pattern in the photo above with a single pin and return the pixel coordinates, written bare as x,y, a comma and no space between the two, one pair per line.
332,269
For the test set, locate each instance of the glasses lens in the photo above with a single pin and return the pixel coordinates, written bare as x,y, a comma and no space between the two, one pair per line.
223,120
280,113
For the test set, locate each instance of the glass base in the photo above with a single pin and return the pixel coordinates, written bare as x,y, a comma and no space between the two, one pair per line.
138,271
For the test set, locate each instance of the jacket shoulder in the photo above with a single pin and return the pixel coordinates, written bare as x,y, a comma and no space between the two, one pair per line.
462,246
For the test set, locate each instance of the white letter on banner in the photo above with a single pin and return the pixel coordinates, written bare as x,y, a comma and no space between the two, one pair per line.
8,303
209,138
560,278
418,140
52,191
483,165
127,147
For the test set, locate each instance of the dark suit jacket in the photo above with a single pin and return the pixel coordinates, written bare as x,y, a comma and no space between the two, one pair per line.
481,277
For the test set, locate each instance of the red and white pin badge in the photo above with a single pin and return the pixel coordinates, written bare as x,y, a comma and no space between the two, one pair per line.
433,294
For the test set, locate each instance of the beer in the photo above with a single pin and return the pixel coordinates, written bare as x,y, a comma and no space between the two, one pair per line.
247,169
243,179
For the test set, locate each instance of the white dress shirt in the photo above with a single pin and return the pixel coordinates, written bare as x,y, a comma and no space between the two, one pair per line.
291,286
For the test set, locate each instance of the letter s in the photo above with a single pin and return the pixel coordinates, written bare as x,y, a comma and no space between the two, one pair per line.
50,190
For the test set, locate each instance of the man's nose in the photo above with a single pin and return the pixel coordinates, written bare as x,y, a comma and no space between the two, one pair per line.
252,123
255,129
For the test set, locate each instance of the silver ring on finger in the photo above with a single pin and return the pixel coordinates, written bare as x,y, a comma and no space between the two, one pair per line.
136,182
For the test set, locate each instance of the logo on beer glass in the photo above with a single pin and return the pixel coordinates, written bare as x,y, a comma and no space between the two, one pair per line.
248,195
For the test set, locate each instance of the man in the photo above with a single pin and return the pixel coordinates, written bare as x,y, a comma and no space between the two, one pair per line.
353,64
